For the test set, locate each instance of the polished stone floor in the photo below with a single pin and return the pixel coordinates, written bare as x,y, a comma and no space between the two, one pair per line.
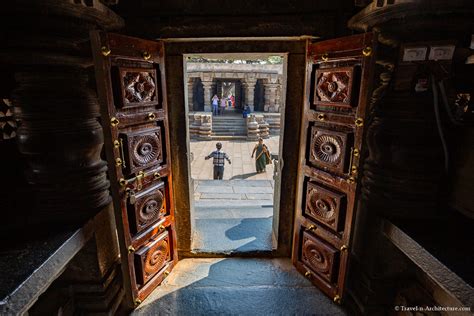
232,216
231,286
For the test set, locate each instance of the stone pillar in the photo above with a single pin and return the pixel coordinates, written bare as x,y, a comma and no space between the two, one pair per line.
271,88
190,94
60,137
249,85
207,95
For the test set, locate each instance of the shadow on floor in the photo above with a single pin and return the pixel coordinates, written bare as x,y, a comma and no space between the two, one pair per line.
233,235
257,229
243,176
237,286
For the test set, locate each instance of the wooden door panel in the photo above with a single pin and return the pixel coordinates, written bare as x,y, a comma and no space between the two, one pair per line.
333,87
320,257
142,149
325,206
152,258
336,91
138,87
329,148
146,207
132,91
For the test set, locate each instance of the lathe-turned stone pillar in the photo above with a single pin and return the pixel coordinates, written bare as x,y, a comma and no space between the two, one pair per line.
207,85
249,85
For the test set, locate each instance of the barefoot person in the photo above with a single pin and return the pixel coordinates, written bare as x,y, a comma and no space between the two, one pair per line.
263,156
218,161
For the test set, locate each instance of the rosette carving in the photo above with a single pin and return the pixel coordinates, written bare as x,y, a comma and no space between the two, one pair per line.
144,149
319,257
149,209
152,258
328,148
325,206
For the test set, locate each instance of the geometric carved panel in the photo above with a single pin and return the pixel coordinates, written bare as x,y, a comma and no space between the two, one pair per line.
325,206
320,257
146,207
152,257
138,86
334,86
143,149
328,148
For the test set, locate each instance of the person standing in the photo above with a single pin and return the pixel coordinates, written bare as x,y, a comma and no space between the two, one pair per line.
215,104
218,161
223,104
263,156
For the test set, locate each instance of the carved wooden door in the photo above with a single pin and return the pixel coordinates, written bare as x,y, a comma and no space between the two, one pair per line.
130,77
337,90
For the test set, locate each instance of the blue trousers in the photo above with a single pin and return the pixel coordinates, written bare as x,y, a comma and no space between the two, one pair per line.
218,172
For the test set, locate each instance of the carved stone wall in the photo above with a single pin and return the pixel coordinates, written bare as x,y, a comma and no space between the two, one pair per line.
200,125
248,74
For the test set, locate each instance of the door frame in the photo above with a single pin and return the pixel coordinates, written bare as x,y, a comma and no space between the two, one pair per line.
175,49
277,184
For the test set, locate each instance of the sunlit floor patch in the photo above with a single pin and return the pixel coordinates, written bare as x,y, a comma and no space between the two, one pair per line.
235,286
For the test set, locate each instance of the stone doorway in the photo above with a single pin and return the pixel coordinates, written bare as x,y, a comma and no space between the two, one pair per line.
198,95
239,213
259,96
230,87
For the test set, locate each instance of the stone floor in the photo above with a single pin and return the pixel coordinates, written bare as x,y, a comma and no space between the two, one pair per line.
242,167
232,216
234,286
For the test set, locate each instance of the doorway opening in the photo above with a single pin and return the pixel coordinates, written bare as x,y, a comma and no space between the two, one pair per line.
235,107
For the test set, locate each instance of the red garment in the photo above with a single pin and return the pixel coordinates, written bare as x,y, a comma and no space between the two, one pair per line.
232,99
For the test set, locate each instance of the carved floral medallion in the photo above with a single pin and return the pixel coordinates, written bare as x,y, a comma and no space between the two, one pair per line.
333,86
328,148
139,87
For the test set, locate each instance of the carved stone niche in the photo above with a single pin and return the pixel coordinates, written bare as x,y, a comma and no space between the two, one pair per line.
320,257
329,149
138,87
152,258
146,207
333,87
325,206
142,149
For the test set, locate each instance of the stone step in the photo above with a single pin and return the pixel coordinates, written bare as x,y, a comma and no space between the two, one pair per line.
229,126
225,137
230,118
230,122
228,135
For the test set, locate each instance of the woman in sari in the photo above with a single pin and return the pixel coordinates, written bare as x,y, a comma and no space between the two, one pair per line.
262,157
